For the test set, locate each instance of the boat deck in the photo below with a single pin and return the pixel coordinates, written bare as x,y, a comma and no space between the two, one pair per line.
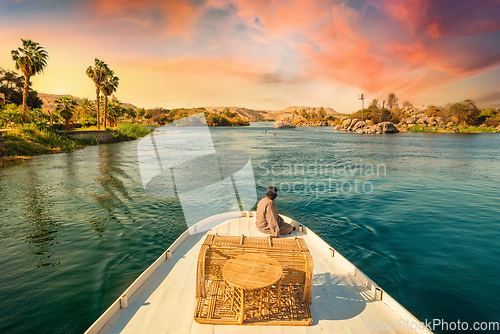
343,298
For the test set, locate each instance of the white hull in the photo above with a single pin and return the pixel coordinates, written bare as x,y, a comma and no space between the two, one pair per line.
162,299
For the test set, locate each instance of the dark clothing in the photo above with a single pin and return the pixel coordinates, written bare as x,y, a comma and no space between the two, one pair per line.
268,221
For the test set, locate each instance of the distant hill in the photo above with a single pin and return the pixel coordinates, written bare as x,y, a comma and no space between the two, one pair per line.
49,101
256,114
49,104
252,114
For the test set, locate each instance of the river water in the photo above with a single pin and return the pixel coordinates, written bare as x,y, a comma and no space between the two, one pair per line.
418,213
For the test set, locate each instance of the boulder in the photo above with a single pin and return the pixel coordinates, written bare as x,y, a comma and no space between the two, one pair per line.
450,124
284,121
358,125
367,129
409,120
353,122
279,125
422,121
386,127
346,123
431,121
408,109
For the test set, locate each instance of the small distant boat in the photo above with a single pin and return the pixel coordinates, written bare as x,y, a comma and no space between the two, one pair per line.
274,134
342,299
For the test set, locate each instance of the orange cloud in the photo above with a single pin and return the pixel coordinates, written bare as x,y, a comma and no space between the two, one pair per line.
373,45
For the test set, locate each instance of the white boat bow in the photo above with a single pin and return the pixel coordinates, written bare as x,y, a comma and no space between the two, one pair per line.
162,299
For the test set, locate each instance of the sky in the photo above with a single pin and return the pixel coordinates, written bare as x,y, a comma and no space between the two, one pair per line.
266,54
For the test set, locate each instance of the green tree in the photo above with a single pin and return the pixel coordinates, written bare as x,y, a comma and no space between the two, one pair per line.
31,59
489,112
115,111
465,112
108,87
11,114
130,113
140,113
98,75
11,80
433,111
12,84
373,105
66,107
85,108
321,113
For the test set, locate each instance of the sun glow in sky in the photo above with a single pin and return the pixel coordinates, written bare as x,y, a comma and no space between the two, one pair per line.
264,54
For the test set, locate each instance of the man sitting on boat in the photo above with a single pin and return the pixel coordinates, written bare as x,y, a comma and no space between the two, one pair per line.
267,219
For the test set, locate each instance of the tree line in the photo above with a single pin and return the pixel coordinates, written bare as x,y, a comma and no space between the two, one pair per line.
464,113
161,116
22,103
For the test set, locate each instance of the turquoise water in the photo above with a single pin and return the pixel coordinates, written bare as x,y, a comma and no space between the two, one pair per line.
76,229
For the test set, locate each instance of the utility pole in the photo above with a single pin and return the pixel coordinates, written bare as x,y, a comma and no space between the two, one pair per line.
362,98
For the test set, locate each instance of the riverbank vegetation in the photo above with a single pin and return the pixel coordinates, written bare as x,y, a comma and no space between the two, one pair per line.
160,116
128,131
311,116
463,117
30,130
22,106
455,129
32,139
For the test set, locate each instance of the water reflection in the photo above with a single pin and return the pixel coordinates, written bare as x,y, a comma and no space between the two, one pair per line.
40,218
112,188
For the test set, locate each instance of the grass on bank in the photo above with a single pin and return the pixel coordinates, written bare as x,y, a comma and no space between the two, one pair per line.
469,129
29,139
127,131
32,140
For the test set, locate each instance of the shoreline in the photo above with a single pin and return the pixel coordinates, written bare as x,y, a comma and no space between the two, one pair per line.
28,141
10,159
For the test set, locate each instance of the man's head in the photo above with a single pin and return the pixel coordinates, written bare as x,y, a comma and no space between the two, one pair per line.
272,192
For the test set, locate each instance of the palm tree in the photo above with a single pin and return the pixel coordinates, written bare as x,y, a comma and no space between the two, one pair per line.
66,106
108,87
115,111
85,107
31,59
98,75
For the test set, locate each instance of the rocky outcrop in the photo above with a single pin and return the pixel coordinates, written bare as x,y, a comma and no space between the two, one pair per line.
423,119
359,126
279,125
284,122
435,123
292,121
410,109
306,124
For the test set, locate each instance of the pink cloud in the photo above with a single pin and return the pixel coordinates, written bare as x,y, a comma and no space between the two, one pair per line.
376,45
